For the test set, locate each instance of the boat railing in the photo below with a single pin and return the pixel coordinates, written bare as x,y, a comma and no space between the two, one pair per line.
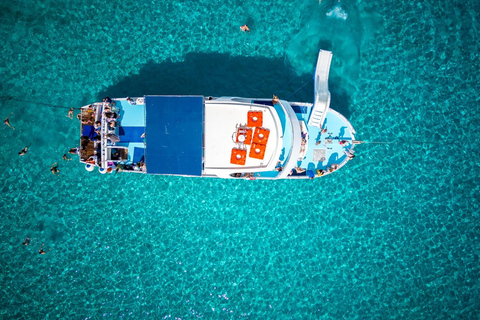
296,139
103,139
322,95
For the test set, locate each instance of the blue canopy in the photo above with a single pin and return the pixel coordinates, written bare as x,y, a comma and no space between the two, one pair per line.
138,155
89,131
131,134
174,135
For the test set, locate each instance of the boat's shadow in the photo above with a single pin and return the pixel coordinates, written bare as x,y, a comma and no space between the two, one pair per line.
215,74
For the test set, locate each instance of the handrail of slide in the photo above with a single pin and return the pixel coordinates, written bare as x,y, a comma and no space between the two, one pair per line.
322,95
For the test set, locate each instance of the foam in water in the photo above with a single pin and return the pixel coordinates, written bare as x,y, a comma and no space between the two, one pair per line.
338,13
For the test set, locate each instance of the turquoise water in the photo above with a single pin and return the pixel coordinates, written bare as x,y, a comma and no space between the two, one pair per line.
393,235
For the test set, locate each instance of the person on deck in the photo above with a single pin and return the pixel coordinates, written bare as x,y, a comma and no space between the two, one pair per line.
349,154
297,170
98,127
92,159
279,167
275,100
333,167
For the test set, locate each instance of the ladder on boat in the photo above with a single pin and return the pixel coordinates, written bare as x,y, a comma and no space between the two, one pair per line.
322,95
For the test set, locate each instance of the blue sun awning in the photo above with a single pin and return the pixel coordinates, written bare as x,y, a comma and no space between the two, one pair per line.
174,135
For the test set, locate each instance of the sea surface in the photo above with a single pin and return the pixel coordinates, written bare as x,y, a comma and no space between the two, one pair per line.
395,234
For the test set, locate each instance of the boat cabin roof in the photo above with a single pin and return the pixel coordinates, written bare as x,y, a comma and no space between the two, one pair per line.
225,121
174,127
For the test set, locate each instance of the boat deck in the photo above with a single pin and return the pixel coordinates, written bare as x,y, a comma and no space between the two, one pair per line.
330,146
131,127
322,151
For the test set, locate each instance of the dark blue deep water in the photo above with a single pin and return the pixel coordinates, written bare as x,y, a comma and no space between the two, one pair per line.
393,235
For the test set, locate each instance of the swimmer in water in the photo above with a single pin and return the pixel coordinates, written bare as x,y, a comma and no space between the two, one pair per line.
70,113
41,251
54,169
23,151
26,242
7,122
245,28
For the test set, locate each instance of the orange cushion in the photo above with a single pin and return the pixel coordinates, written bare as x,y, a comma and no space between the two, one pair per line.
255,118
261,136
257,151
239,156
247,133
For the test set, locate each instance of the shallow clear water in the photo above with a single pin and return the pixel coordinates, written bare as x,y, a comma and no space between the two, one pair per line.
394,234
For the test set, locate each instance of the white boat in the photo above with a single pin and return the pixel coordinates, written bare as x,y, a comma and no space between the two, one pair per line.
223,137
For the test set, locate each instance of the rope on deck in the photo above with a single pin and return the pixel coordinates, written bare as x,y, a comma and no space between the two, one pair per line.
400,142
7,98
298,89
361,142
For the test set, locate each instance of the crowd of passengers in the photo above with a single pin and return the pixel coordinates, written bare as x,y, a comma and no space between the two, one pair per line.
139,166
88,117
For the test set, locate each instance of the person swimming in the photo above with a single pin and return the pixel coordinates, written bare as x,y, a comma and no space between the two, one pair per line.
23,151
41,251
245,28
66,158
54,169
7,122
26,242
70,113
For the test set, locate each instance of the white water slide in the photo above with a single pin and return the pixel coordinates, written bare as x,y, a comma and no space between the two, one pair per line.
322,95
